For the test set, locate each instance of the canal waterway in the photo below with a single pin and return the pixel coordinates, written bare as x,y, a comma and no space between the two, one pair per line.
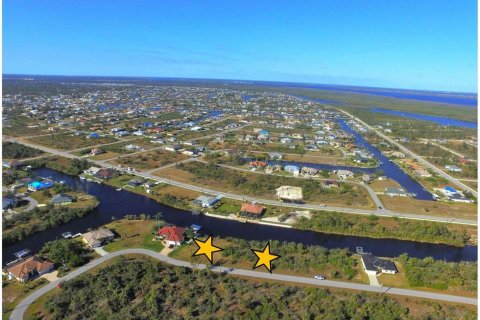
389,169
121,203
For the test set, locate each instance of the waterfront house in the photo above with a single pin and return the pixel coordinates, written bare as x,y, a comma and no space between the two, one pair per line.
62,198
252,211
97,238
30,268
40,185
344,174
295,170
206,201
92,171
106,174
8,203
171,235
309,172
372,265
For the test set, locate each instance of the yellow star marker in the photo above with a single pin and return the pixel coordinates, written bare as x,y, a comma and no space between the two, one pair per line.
206,248
265,258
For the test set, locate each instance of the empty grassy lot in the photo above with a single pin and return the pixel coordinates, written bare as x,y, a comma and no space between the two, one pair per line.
150,159
68,141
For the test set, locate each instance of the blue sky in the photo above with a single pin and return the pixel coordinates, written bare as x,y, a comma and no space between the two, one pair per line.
398,43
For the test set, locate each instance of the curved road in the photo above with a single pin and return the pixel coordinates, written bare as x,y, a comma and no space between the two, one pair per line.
19,311
377,212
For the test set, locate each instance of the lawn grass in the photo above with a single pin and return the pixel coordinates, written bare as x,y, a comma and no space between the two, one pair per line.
133,234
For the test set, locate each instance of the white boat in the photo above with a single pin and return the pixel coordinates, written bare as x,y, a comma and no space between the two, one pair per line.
67,235
119,189
22,253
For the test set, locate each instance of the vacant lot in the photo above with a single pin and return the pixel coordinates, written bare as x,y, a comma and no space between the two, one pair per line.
434,208
150,160
67,141
133,234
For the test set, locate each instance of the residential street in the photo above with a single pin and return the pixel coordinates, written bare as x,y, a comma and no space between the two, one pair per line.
377,212
19,311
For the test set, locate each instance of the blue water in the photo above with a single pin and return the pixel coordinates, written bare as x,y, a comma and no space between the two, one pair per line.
454,98
390,169
120,203
440,120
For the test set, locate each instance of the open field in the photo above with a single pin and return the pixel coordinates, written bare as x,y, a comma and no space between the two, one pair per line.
150,159
68,141
443,209
380,185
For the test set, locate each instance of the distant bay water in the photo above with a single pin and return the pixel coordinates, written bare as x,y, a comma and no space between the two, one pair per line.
440,120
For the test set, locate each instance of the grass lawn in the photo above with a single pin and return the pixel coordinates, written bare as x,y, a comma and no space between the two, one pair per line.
13,292
133,234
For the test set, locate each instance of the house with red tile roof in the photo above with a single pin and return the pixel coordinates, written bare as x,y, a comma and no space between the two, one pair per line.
172,235
252,211
29,268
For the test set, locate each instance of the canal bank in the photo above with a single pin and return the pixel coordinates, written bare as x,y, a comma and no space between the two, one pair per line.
121,203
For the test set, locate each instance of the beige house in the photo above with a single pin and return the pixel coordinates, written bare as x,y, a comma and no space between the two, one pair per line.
96,238
290,193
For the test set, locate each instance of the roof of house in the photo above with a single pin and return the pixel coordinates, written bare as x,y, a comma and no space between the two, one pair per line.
172,233
96,236
252,208
30,264
61,197
450,189
373,263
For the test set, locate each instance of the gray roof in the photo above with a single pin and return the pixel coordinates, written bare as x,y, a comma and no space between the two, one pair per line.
61,198
373,263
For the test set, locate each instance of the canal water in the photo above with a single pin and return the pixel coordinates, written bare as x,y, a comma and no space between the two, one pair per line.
390,169
121,203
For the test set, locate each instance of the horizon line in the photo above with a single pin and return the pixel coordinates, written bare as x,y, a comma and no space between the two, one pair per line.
242,80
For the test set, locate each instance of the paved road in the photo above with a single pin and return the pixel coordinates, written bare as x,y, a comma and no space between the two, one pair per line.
377,212
415,156
19,311
372,193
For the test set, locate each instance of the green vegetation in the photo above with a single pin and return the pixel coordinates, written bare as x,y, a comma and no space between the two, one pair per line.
137,288
11,150
68,141
73,167
423,231
440,274
65,251
260,184
24,224
336,263
135,234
